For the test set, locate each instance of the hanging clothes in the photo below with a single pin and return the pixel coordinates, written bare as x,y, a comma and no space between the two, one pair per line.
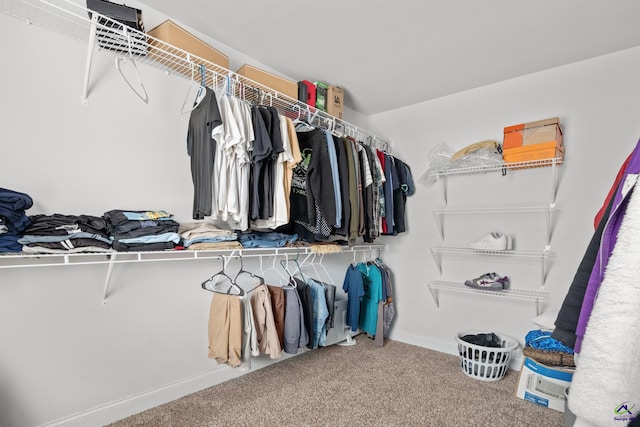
319,315
276,293
343,183
249,335
201,146
310,179
295,330
372,296
270,175
260,156
280,197
353,285
304,293
354,190
266,332
225,329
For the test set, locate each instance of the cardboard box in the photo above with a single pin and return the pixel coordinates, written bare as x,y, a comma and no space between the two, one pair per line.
277,83
547,150
321,95
543,385
172,34
540,132
335,101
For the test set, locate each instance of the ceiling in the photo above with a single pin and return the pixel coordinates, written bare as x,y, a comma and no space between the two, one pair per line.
389,54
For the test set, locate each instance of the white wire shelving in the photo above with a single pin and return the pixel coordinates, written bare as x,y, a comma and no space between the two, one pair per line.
511,294
503,168
76,22
438,252
500,166
548,210
127,44
23,260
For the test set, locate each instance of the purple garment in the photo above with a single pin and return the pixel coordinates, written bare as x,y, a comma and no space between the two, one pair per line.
608,242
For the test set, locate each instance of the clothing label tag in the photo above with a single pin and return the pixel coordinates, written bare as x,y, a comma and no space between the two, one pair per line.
629,182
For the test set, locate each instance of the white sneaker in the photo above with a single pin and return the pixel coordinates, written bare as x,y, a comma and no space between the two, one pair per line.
493,241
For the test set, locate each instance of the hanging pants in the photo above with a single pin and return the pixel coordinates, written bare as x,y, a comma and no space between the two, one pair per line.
225,329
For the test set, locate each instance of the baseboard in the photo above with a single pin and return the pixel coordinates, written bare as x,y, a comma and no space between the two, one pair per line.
448,347
122,408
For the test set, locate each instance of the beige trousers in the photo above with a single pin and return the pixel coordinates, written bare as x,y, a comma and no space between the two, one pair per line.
225,329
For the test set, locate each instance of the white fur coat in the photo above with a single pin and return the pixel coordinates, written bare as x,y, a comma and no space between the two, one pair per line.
605,390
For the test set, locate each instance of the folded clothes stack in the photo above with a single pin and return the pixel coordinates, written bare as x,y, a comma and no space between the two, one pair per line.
142,230
204,235
66,234
13,219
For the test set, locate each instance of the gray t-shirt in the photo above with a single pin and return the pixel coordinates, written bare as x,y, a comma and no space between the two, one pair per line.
201,147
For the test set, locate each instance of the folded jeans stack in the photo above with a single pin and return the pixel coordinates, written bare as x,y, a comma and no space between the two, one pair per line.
13,219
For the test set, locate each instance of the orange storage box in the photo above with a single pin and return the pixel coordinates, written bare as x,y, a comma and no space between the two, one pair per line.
532,133
546,150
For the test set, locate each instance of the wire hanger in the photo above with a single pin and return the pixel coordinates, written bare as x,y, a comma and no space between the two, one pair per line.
263,271
142,93
326,272
285,266
208,286
243,271
202,90
306,124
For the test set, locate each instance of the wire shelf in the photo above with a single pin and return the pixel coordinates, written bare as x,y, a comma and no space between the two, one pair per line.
506,253
74,21
512,294
500,167
18,260
495,210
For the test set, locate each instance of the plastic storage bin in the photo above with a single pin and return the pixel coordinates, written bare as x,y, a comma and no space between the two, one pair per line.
485,363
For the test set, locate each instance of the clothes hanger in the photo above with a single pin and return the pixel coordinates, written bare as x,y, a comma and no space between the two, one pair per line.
142,93
306,124
201,89
298,267
291,283
313,266
208,286
264,272
252,275
326,272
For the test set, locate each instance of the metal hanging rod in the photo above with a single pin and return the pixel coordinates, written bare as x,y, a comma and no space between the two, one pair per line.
77,22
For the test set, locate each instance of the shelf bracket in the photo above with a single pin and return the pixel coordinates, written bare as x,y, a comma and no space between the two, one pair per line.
554,173
434,295
444,189
439,217
87,69
107,282
549,227
438,260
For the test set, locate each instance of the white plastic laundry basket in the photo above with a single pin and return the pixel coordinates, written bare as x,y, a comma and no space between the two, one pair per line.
485,363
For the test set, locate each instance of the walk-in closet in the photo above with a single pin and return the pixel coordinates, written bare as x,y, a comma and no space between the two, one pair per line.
252,214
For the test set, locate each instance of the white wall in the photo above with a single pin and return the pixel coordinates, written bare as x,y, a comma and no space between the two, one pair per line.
597,103
65,358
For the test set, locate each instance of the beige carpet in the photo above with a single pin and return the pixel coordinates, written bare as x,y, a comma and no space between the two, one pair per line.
363,385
